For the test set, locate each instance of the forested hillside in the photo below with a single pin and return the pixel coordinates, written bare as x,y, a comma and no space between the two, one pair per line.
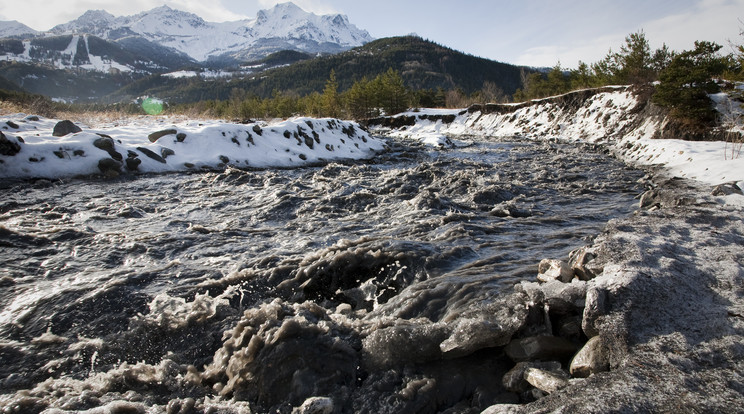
423,65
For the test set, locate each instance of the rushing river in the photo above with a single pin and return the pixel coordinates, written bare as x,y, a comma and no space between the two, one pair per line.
250,291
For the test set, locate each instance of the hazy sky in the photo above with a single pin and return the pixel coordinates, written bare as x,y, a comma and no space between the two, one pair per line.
528,32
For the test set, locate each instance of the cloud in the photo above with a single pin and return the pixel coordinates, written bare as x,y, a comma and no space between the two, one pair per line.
713,20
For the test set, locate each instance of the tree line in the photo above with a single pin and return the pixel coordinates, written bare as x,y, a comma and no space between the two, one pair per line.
682,81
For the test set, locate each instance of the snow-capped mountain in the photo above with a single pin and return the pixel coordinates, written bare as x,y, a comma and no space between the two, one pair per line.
15,28
285,26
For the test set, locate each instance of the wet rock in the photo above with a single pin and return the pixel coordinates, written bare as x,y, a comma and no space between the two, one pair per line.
224,159
591,359
257,129
726,189
561,298
8,146
65,127
61,154
543,347
515,381
151,154
546,381
78,153
33,118
180,137
109,166
12,124
315,405
159,134
550,269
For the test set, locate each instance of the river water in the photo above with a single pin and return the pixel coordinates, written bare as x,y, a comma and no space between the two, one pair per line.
250,291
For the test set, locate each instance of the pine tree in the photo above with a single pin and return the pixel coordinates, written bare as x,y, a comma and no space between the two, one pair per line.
331,101
685,84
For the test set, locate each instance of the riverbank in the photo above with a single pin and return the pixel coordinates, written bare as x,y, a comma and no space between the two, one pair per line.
666,308
35,147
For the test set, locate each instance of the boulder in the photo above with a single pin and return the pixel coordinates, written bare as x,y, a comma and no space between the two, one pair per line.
151,154
109,166
166,152
542,347
12,124
726,189
106,143
503,409
595,308
133,163
65,127
180,137
8,146
546,381
579,260
550,269
514,380
591,359
315,405
159,134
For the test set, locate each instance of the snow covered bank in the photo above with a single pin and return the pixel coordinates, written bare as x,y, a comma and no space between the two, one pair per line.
30,149
615,115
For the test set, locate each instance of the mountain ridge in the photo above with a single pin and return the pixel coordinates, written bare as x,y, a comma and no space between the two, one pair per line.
202,40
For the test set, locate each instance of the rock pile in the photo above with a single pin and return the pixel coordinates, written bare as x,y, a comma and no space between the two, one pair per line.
552,348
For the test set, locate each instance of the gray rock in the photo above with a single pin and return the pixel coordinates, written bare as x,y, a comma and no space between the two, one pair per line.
133,163
596,306
579,260
546,381
107,144
514,380
591,359
166,152
159,134
726,189
109,166
503,409
543,347
149,153
8,147
315,405
550,269
65,127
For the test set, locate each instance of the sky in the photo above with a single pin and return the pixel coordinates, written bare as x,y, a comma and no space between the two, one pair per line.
539,33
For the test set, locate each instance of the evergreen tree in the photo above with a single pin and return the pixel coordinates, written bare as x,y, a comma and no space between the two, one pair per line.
685,84
331,101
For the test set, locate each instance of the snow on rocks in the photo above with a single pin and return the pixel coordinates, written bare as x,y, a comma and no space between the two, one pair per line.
48,148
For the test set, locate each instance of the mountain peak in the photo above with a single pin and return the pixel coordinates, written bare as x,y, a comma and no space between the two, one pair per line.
14,28
285,26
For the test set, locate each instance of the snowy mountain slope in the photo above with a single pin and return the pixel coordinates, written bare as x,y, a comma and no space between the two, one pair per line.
201,40
13,28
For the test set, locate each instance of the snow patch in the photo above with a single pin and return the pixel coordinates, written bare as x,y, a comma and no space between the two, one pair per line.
183,146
